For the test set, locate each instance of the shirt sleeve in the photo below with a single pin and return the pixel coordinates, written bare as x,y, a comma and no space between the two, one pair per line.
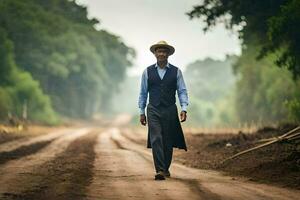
182,91
143,92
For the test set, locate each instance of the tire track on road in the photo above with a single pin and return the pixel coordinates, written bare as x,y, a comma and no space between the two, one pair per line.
124,174
23,151
27,141
17,176
66,176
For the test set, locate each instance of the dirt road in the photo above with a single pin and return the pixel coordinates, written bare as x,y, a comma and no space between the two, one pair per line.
98,163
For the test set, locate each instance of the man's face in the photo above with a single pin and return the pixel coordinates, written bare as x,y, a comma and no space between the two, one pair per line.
161,54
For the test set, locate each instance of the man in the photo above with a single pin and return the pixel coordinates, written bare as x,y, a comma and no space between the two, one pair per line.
161,80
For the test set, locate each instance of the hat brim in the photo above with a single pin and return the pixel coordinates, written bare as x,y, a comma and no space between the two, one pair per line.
169,47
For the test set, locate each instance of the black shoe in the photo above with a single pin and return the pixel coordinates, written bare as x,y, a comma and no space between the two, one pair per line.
159,176
167,174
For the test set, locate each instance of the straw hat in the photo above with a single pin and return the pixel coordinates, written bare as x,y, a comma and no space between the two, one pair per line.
163,44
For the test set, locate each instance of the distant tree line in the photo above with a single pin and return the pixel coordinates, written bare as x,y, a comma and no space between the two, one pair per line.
53,59
211,84
270,35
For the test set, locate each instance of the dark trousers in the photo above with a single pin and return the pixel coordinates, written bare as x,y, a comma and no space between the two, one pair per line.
160,136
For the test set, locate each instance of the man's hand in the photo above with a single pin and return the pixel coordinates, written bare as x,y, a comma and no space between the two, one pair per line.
143,119
183,116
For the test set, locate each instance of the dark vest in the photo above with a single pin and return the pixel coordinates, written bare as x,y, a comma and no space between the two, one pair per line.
162,92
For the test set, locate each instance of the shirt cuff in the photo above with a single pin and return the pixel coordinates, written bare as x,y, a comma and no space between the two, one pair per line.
142,111
184,108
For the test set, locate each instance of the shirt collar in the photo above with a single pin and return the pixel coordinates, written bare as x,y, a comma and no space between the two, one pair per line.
168,65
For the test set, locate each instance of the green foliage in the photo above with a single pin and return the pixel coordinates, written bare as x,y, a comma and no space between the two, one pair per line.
5,103
275,24
210,84
26,90
209,79
18,87
263,89
77,66
270,33
201,112
294,110
283,33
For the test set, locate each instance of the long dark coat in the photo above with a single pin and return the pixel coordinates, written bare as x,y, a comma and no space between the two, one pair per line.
170,126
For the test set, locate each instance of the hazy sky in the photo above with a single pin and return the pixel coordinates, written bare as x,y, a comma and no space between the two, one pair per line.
141,23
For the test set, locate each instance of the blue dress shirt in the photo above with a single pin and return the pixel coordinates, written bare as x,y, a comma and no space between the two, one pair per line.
181,88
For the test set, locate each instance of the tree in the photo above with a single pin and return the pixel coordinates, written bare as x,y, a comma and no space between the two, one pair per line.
17,87
210,84
274,23
77,66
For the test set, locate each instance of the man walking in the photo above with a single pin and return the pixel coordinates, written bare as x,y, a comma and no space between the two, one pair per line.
161,80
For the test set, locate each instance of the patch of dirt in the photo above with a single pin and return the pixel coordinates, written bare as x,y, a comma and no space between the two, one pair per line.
23,151
66,176
277,164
